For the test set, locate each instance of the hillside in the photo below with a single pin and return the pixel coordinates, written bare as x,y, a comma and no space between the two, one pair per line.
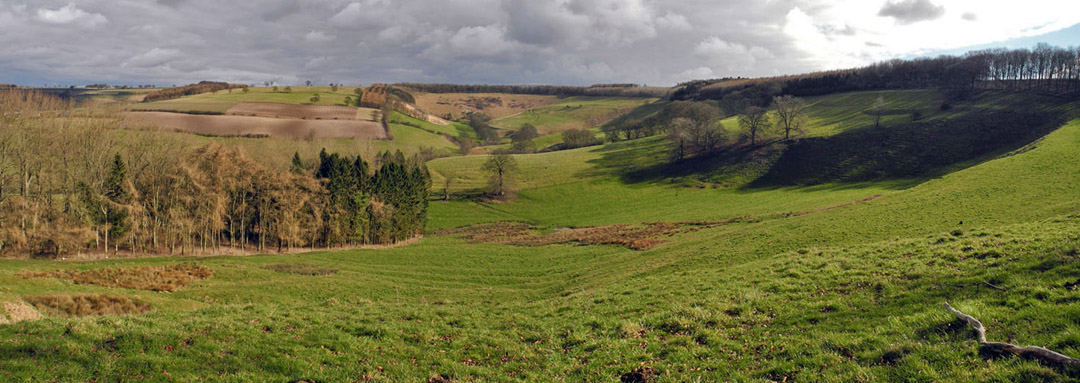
826,258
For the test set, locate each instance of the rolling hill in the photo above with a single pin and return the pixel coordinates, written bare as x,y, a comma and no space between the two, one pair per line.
819,259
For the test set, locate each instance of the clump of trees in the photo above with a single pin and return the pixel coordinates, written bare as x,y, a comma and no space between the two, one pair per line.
68,185
694,129
579,138
521,141
481,125
188,90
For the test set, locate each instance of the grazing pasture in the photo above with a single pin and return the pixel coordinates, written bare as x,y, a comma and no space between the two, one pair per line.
244,126
572,113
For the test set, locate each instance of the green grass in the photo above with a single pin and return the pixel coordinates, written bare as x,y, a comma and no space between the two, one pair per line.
456,129
838,293
572,113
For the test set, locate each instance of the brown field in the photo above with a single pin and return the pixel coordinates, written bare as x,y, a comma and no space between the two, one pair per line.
84,305
164,278
303,112
245,126
496,105
635,236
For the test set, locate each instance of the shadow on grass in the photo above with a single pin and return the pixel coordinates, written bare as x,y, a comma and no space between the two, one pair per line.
895,157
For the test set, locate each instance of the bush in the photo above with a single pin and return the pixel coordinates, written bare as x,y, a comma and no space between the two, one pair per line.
578,138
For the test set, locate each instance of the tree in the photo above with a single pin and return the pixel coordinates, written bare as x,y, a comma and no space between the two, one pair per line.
308,82
466,145
525,133
753,121
298,164
275,89
877,109
500,166
348,101
523,146
315,98
288,89
245,89
333,88
790,114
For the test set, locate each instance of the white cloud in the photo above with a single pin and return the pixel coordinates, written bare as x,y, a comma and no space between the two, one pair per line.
154,57
71,14
318,37
674,21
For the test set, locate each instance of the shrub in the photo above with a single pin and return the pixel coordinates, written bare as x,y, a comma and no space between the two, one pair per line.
578,138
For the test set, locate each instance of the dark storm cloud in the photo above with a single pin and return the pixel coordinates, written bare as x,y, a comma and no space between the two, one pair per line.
477,41
912,11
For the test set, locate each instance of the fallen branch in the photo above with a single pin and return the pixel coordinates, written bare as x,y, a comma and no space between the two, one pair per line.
1043,355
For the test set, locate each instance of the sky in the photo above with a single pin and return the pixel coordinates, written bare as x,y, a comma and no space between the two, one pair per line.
571,42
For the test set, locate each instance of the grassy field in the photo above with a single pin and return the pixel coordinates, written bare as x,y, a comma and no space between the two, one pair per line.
222,101
835,282
572,113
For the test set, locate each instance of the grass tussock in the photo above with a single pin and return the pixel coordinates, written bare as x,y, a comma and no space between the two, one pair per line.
86,305
641,236
17,312
160,278
301,269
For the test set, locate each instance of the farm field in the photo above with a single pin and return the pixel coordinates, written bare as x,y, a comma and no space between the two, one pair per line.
240,126
495,105
572,113
303,112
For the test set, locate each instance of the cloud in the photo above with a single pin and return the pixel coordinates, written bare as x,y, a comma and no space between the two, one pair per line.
483,41
731,56
911,11
318,37
969,16
154,57
674,22
70,14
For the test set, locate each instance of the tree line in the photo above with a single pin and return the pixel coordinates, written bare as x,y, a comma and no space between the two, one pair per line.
188,90
1043,69
598,90
68,184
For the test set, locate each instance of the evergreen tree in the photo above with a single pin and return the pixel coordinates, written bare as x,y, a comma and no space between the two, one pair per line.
298,165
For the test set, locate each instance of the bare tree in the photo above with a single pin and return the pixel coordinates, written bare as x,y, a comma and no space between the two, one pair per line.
790,114
500,166
877,109
753,121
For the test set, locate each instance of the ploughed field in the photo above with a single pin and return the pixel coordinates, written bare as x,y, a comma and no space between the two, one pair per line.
303,112
243,126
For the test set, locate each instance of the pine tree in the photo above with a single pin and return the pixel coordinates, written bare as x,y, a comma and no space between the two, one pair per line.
297,164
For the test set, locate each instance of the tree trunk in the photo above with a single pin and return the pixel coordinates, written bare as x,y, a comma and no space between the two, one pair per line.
1043,355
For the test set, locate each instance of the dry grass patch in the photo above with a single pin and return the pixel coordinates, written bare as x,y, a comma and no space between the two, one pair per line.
496,105
160,278
301,269
640,236
17,312
85,305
